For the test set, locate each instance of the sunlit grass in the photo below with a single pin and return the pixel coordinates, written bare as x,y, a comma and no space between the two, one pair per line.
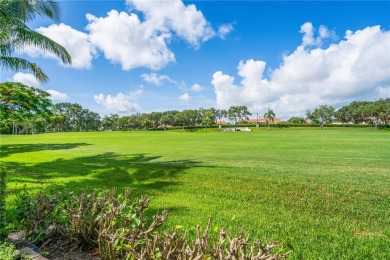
326,194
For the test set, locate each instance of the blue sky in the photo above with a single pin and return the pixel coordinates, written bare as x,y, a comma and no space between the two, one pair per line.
142,56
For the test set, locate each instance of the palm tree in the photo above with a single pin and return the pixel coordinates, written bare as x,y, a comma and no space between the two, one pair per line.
270,116
207,118
15,34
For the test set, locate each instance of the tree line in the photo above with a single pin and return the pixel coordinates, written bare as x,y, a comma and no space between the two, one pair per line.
28,110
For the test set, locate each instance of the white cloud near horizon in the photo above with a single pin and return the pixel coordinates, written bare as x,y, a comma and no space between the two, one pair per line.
357,67
185,97
30,80
56,95
197,88
120,103
27,79
75,42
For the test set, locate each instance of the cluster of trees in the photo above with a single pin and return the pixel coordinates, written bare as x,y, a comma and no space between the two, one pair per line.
365,112
358,112
185,118
27,110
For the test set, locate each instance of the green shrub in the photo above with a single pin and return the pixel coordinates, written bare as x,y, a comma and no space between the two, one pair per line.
8,252
116,225
3,220
37,213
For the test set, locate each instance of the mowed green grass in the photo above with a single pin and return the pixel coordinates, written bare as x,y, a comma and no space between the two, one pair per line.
325,194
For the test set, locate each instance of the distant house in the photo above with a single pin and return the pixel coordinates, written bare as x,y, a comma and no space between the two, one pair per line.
221,123
261,121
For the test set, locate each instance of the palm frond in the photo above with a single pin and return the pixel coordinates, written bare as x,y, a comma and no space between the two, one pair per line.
14,63
28,10
27,37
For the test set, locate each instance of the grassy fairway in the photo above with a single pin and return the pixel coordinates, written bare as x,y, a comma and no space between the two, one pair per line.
326,193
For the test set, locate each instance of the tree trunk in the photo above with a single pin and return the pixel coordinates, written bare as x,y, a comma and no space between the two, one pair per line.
375,120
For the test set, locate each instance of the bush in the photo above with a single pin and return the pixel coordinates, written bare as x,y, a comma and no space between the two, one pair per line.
116,225
3,220
8,252
37,213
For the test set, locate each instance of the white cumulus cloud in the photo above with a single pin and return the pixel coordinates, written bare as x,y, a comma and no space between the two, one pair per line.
196,87
120,103
185,97
224,30
124,39
157,79
185,21
75,42
136,38
308,31
356,68
26,78
56,95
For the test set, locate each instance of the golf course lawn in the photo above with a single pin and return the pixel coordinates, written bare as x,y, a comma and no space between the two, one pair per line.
325,194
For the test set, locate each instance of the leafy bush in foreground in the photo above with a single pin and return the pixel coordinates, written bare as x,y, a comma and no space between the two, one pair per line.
3,222
116,225
8,252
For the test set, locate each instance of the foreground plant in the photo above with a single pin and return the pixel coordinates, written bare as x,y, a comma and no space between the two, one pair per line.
8,252
116,226
3,221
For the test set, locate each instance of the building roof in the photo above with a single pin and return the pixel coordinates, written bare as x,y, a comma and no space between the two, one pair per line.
221,123
260,120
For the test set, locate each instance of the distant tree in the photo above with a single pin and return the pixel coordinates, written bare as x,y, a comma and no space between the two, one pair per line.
237,113
57,122
219,114
354,112
296,120
75,117
110,122
191,116
90,120
155,118
385,110
215,112
145,123
321,115
19,102
165,119
207,118
269,116
372,110
180,119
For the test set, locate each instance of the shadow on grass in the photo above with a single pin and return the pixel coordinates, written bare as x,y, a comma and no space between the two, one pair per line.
146,173
7,150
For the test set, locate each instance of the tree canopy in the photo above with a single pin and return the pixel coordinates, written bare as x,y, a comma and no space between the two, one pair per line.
20,101
321,115
269,116
237,113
